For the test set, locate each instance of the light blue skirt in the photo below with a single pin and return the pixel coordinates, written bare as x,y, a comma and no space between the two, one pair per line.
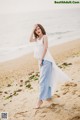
44,80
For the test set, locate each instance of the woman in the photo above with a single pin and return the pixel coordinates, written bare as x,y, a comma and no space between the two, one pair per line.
50,74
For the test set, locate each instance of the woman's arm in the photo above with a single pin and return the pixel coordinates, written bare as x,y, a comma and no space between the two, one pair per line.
45,43
31,37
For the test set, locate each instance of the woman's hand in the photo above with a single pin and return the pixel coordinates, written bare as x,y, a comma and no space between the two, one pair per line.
31,37
41,62
34,27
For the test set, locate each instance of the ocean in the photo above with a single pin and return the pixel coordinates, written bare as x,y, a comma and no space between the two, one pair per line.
61,25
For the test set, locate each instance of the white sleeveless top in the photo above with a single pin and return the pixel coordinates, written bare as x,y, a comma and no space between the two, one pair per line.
38,51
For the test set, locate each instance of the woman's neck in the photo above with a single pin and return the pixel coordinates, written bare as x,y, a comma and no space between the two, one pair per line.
40,37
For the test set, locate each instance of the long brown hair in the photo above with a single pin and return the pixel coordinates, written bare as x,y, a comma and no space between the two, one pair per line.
42,29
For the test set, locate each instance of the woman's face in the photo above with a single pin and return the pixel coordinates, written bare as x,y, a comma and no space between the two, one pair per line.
38,31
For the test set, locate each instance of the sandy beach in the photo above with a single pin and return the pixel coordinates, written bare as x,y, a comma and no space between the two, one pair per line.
19,86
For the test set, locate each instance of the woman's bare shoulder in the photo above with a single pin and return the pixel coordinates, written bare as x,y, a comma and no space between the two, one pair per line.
45,37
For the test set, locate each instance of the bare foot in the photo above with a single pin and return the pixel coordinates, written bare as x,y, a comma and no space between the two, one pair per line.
39,104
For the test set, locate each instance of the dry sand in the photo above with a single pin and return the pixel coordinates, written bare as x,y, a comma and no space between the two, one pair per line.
19,86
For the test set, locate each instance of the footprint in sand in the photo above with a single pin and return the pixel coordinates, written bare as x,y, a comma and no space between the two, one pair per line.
51,108
36,112
55,107
56,96
43,116
71,84
75,118
20,114
66,88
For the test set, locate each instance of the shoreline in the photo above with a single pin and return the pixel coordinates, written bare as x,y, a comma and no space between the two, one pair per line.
17,68
14,56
